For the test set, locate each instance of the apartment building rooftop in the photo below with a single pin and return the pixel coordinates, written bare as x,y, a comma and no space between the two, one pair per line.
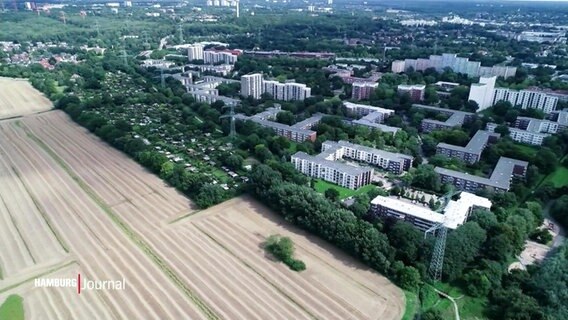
456,117
453,215
365,121
475,145
309,122
384,154
500,177
336,165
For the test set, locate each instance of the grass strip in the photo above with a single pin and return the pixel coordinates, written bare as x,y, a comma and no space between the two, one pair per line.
12,308
52,270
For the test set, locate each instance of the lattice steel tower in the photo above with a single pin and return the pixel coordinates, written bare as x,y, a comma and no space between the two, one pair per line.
231,117
437,262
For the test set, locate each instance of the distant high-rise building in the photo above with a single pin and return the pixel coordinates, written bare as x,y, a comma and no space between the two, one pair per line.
195,52
286,91
213,57
363,90
251,85
452,61
526,99
482,92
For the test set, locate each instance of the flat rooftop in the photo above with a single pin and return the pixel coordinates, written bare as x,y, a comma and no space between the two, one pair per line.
454,214
382,153
475,145
372,124
350,105
339,166
500,178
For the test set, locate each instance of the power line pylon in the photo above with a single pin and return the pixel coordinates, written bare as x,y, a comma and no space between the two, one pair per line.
123,53
146,44
180,30
437,262
231,117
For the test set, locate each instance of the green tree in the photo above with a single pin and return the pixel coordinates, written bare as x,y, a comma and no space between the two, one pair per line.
332,194
234,161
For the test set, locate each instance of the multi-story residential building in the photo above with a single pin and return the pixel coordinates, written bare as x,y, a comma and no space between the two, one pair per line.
500,180
221,69
529,130
213,57
561,118
526,99
398,66
207,97
310,122
363,90
541,37
286,91
457,64
390,161
251,85
326,165
374,120
456,118
482,92
195,52
359,110
416,91
344,175
296,91
298,132
453,214
370,116
471,153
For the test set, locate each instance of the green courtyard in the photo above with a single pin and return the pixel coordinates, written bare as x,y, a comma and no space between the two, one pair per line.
321,185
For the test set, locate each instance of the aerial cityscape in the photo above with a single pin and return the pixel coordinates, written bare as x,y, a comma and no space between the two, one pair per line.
284,159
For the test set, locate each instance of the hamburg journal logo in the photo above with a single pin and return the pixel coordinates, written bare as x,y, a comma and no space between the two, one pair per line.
80,284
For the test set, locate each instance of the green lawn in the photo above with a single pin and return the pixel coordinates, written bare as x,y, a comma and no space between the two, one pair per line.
321,185
412,306
12,308
470,308
559,177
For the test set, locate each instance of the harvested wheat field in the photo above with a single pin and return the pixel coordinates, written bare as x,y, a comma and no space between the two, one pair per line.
72,204
18,97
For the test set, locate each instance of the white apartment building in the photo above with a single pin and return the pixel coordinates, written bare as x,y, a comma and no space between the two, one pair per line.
336,172
530,130
482,92
360,110
526,99
212,57
454,214
363,90
398,66
458,64
251,85
195,52
297,91
393,162
287,91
